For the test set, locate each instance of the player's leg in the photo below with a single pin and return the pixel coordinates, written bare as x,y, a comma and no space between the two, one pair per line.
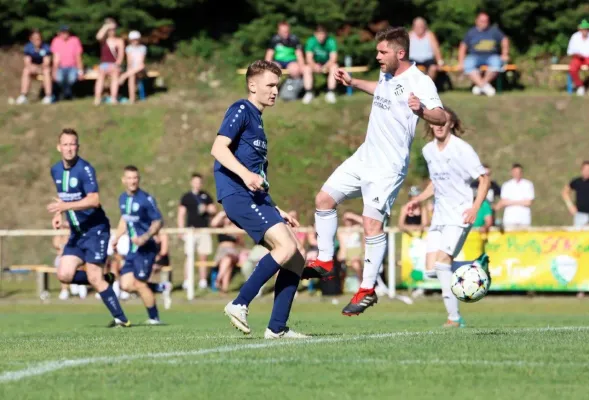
71,259
99,86
308,84
331,84
114,83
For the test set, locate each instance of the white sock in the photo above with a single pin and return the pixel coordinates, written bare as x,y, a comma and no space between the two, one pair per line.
444,272
374,255
326,226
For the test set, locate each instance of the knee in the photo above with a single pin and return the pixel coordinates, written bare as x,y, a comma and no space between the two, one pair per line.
127,285
333,68
294,70
286,251
372,227
323,201
64,276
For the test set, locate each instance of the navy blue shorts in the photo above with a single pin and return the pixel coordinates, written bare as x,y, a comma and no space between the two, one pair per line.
90,246
252,212
284,64
140,264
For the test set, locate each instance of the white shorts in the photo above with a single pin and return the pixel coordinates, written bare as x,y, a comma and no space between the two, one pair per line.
446,238
353,180
203,243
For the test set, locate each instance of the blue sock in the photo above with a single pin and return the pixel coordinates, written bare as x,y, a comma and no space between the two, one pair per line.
458,264
109,298
265,270
156,287
80,278
152,312
284,292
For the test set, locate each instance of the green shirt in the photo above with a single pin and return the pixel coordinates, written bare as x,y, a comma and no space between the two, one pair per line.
321,51
484,211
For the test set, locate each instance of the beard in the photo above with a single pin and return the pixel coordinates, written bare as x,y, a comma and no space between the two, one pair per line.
391,67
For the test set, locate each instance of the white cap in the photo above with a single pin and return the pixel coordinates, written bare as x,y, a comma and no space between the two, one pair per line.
134,35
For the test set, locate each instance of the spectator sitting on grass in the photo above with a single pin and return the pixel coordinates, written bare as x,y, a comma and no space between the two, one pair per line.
321,57
37,60
67,61
424,49
135,63
483,45
285,50
112,53
580,208
578,49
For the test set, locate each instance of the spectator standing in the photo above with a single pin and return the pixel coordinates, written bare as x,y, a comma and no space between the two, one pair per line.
483,45
68,66
424,48
578,49
321,57
517,195
135,52
285,50
195,210
580,185
37,60
112,54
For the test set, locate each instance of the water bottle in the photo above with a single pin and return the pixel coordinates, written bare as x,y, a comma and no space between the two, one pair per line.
347,64
214,280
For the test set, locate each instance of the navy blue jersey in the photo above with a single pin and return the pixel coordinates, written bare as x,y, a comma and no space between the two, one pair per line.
74,184
37,55
243,125
139,210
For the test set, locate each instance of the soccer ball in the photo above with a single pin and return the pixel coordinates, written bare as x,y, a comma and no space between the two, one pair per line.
470,283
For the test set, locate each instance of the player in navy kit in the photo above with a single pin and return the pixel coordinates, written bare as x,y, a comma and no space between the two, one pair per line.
77,189
141,220
241,167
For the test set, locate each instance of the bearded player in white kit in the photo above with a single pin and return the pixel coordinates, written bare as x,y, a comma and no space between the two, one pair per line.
376,171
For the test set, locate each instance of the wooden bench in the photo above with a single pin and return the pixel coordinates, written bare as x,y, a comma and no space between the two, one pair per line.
565,68
454,69
362,68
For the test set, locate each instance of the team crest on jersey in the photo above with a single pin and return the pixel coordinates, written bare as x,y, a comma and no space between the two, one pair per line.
399,89
135,207
73,182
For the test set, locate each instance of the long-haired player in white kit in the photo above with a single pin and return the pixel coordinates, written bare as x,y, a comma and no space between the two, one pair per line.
375,172
453,165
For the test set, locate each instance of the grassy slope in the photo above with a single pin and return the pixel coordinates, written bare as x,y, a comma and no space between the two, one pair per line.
169,136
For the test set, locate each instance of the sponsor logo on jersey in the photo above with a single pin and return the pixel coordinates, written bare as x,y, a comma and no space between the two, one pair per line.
73,182
382,102
399,89
135,207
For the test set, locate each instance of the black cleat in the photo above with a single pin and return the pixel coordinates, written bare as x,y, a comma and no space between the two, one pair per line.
363,299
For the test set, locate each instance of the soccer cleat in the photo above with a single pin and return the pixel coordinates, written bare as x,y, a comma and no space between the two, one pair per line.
318,269
455,324
483,262
109,277
238,316
363,299
117,323
167,295
152,321
287,333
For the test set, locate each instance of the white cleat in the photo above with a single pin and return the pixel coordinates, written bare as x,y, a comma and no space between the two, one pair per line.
330,98
64,294
307,98
285,334
238,316
167,295
153,322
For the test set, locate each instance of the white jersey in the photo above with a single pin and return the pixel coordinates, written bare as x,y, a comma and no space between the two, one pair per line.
392,123
452,170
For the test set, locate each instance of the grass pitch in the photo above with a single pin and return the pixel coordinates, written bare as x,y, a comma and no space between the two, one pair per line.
514,348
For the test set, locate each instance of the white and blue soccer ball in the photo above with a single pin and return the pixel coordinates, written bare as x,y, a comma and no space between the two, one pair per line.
470,283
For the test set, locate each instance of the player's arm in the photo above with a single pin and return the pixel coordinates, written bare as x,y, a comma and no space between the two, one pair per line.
424,216
120,231
434,115
566,196
426,194
484,185
344,78
92,200
226,158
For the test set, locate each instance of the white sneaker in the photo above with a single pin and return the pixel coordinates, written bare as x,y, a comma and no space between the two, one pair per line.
203,284
64,295
238,316
74,289
580,92
285,334
47,100
330,98
153,322
22,99
307,98
489,90
167,295
124,295
476,90
82,291
185,285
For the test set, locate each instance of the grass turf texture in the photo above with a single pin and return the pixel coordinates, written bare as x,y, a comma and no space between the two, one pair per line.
514,348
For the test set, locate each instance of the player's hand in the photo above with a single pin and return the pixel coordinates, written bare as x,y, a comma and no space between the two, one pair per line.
254,182
56,221
470,215
414,103
57,206
288,218
342,76
411,206
139,240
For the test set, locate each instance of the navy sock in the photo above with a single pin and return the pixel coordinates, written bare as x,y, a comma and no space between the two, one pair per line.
265,270
156,287
152,312
458,264
110,300
284,293
80,278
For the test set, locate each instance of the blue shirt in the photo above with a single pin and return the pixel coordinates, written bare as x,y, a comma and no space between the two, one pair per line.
483,42
37,54
139,210
74,184
243,125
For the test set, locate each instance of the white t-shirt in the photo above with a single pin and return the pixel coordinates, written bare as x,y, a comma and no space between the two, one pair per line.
513,190
452,170
392,123
578,45
134,52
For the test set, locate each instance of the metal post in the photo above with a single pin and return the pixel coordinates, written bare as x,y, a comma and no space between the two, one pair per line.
1,264
190,262
392,272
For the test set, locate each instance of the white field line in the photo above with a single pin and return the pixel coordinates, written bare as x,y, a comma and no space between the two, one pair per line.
46,367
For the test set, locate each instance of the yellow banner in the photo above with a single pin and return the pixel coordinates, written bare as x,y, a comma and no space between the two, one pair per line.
540,261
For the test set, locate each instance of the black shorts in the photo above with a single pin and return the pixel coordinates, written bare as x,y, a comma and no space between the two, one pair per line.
426,64
163,261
